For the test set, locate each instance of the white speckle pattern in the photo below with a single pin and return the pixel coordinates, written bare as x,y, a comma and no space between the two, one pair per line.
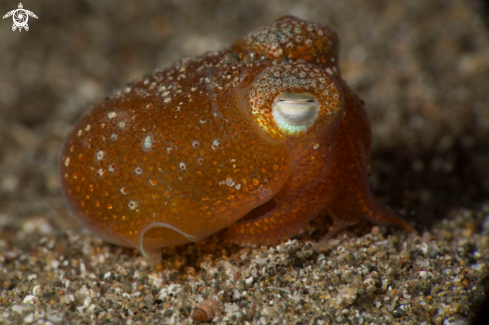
215,144
148,143
281,37
132,205
229,181
111,115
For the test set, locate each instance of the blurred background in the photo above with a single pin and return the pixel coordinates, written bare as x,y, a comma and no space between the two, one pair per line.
422,67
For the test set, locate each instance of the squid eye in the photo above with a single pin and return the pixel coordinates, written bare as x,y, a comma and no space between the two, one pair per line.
295,111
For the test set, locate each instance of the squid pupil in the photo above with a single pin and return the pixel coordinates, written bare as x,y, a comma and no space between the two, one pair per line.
298,101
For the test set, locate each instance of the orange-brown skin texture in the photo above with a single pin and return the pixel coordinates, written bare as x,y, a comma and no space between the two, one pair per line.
191,150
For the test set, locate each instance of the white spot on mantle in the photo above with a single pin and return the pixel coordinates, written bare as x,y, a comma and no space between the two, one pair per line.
148,142
229,181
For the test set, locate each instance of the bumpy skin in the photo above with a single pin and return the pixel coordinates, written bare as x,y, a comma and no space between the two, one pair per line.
189,151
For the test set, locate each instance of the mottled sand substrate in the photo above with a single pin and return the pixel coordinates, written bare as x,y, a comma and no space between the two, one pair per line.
434,278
